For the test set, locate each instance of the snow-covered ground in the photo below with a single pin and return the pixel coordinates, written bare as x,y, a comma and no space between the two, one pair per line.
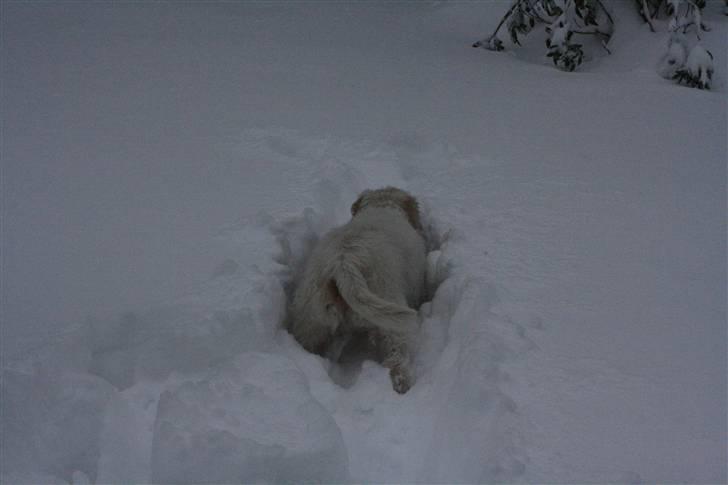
166,167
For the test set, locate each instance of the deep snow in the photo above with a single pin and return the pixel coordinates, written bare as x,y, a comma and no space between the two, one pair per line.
166,168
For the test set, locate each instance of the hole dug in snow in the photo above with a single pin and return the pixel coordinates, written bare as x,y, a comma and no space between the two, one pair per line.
460,393
297,237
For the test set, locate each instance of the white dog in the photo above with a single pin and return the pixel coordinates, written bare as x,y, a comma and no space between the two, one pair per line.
366,275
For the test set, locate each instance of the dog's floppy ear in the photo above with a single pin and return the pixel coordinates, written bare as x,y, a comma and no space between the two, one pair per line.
412,209
355,207
357,203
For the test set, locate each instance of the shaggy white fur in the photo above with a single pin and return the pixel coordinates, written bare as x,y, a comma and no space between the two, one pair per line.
367,275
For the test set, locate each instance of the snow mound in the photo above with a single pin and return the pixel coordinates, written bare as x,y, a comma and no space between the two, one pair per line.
470,388
237,310
52,423
253,420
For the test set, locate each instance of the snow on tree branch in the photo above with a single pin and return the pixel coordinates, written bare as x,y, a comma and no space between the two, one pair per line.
564,18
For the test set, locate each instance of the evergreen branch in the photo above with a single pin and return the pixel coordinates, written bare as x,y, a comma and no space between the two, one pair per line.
609,16
648,16
508,14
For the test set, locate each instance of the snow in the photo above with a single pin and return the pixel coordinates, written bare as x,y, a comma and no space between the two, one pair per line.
254,420
674,58
167,168
700,64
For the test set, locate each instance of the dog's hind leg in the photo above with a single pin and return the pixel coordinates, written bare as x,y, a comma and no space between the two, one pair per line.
394,355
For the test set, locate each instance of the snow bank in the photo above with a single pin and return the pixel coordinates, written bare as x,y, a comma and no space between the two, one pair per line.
469,388
253,420
52,421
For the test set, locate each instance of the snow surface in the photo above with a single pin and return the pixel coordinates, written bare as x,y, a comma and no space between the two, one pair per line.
167,167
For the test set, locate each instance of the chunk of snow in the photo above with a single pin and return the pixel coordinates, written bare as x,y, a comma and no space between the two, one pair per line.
700,65
674,58
252,421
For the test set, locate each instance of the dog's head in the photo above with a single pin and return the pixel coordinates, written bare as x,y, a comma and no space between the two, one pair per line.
390,197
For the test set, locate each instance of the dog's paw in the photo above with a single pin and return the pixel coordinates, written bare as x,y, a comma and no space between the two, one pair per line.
401,379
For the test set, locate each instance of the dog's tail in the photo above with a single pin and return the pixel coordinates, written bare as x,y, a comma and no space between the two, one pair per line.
355,292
